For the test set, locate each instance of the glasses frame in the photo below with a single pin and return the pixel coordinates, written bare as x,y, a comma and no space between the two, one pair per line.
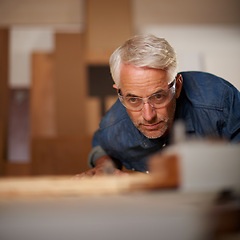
171,86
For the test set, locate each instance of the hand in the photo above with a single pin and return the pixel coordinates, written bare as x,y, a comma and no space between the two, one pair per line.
98,171
104,166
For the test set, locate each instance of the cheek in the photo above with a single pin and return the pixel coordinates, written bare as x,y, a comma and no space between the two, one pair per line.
167,112
162,113
171,109
135,116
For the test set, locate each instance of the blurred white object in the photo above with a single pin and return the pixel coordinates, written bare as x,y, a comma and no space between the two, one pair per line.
206,165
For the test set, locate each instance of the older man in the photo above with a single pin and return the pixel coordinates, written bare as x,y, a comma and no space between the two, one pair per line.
152,95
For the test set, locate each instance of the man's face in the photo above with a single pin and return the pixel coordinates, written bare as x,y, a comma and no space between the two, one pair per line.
143,82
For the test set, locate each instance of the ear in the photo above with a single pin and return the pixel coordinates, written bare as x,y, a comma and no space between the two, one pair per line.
179,82
114,86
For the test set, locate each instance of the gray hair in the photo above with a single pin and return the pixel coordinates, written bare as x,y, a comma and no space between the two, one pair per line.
144,51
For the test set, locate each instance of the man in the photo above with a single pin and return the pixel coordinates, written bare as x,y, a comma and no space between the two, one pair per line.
151,97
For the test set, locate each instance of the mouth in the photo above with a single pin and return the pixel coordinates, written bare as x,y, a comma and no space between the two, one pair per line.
151,126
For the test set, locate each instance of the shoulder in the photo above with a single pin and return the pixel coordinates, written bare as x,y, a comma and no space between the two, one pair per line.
116,130
206,90
116,114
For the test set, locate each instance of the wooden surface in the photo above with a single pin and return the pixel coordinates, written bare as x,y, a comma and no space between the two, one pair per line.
52,186
68,186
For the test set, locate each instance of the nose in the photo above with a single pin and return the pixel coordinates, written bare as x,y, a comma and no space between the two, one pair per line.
148,112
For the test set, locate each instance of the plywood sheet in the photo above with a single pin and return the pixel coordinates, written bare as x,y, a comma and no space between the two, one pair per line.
70,87
43,122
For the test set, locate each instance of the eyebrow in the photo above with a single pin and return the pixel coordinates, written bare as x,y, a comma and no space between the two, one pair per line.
132,95
159,91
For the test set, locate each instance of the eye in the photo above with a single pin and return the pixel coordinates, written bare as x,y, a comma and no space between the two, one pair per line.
133,100
159,97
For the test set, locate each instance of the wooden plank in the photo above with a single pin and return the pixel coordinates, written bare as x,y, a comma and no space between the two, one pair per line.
17,169
65,186
93,114
42,103
70,84
60,155
164,174
60,141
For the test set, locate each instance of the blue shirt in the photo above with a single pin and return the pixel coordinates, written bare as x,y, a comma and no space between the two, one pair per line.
209,106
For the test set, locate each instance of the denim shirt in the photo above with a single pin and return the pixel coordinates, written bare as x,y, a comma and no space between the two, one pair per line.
208,105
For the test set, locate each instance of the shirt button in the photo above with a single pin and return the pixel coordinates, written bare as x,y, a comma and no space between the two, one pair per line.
145,144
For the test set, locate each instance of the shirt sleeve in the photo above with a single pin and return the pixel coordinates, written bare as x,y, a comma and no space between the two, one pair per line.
95,153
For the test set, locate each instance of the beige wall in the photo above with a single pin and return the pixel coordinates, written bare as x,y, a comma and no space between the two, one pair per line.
108,24
53,12
175,12
33,24
145,12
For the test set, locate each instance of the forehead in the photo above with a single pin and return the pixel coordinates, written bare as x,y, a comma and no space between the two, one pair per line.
142,81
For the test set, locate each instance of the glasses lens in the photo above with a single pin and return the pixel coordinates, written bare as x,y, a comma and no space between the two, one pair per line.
162,98
133,102
157,100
